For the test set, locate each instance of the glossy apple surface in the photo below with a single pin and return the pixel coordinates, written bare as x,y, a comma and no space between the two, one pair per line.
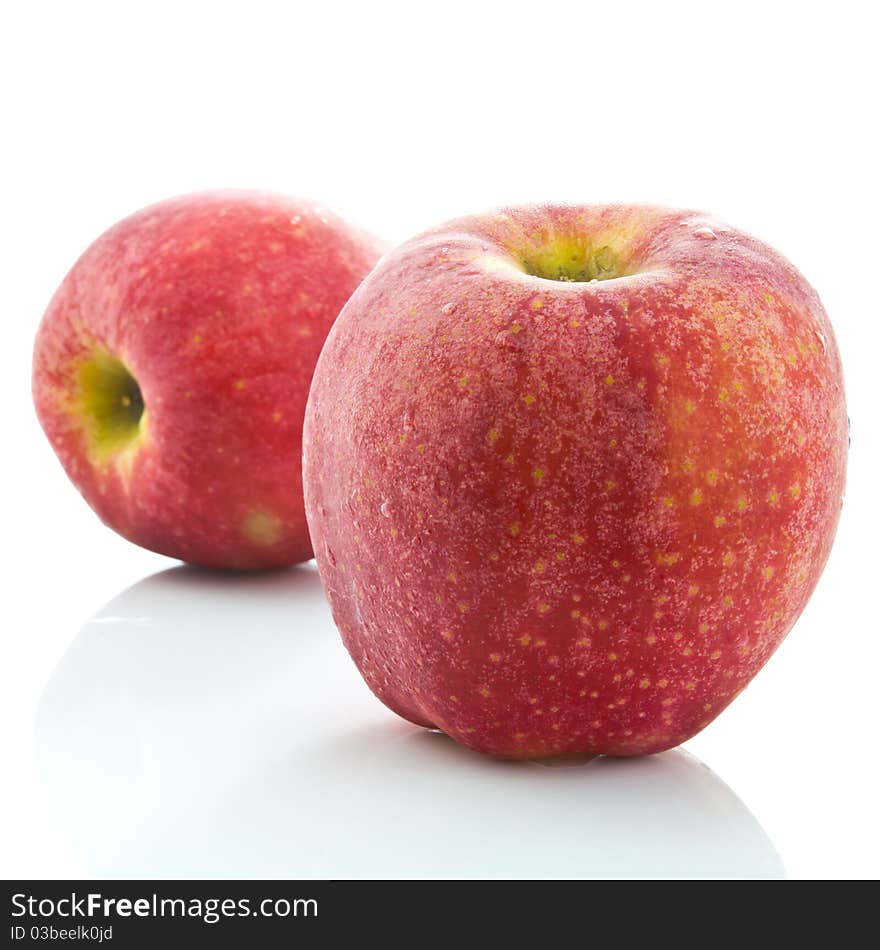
572,473
172,367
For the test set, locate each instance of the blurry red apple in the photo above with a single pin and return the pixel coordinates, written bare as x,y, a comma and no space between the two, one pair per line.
571,474
172,367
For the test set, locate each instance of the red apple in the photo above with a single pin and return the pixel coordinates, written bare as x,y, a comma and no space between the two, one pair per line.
572,473
172,367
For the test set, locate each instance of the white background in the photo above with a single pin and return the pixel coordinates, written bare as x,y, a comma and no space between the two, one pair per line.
220,728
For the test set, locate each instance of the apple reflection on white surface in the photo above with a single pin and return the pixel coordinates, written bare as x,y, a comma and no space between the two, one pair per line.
209,725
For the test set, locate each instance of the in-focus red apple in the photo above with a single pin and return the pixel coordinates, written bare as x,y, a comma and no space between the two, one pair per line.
571,474
172,367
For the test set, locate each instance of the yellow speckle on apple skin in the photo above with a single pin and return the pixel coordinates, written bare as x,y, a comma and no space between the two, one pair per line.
262,527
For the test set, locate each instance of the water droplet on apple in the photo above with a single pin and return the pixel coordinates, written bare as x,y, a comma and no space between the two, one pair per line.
385,508
508,340
707,234
447,308
822,340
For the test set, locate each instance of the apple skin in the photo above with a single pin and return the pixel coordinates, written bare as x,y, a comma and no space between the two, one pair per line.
573,516
217,305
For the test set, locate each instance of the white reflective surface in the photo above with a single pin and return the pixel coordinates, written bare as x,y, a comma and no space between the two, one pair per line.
213,725
140,748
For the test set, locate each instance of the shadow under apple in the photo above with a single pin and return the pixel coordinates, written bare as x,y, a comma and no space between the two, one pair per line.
212,725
